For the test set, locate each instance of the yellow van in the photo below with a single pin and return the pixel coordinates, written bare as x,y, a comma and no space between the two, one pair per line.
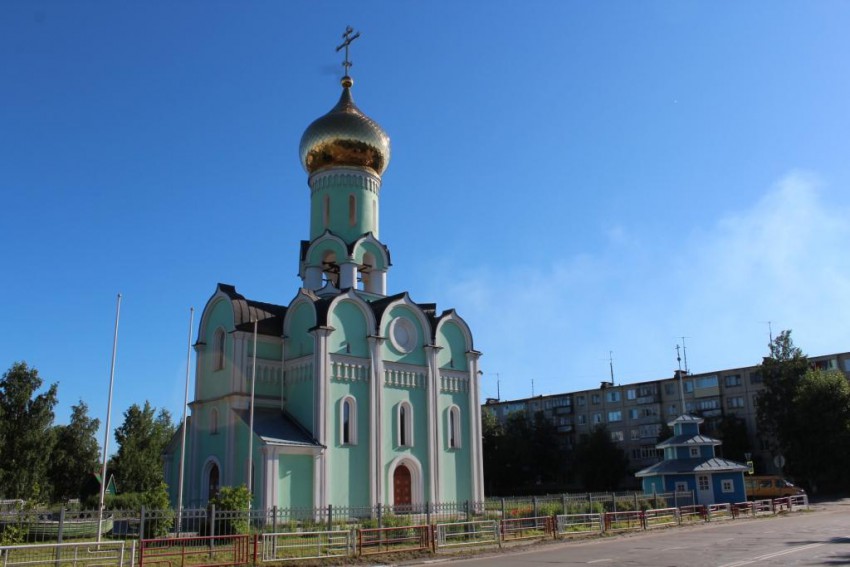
769,486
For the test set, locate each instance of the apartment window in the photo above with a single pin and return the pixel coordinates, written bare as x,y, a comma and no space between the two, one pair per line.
405,425
616,436
689,386
671,410
670,388
613,396
650,412
707,382
732,380
650,431
735,402
348,421
582,419
634,413
580,400
727,485
597,418
635,434
614,416
594,399
705,405
755,377
454,427
631,394
847,365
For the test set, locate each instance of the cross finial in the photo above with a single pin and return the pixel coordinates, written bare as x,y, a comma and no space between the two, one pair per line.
348,37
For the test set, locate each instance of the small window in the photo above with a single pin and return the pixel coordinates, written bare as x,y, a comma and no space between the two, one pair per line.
454,427
582,419
214,421
405,425
348,421
631,394
326,211
732,380
597,418
614,416
634,413
581,400
352,210
219,343
612,396
681,487
727,485
616,436
594,399
694,452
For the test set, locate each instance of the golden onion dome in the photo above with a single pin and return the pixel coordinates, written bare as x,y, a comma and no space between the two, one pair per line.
345,137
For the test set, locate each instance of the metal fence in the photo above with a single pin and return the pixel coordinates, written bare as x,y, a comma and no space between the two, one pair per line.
88,554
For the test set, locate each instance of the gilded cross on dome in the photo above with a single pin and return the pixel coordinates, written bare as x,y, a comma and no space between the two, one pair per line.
348,37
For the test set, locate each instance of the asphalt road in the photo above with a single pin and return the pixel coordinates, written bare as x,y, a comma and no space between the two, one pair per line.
817,537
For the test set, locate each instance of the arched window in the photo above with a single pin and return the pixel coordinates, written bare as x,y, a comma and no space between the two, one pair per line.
214,421
454,427
212,482
218,349
405,425
352,210
326,211
348,421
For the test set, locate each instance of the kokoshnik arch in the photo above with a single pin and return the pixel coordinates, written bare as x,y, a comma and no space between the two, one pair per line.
361,398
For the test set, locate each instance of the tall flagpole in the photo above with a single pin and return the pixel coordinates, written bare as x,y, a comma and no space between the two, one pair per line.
251,423
185,409
103,480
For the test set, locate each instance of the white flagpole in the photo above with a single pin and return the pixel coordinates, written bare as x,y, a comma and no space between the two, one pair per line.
185,410
251,423
103,480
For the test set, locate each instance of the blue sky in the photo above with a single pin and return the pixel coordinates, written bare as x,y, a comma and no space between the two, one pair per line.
573,177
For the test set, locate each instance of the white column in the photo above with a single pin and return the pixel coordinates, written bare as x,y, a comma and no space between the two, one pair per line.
432,394
347,275
475,428
376,421
320,414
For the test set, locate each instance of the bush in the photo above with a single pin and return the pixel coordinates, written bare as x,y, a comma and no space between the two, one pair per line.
233,499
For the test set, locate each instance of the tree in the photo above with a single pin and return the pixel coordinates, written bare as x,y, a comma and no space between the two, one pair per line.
142,438
781,373
75,456
817,452
492,436
736,443
26,435
599,462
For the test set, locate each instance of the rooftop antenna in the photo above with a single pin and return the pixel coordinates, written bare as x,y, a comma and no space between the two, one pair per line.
685,353
611,365
681,386
532,387
498,388
348,37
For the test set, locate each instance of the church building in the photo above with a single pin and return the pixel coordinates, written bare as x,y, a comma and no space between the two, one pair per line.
360,397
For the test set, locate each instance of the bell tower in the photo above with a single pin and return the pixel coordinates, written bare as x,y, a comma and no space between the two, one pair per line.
345,153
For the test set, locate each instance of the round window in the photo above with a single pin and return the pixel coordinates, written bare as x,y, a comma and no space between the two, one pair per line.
403,334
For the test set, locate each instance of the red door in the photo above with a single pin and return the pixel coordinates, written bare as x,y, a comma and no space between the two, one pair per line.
401,486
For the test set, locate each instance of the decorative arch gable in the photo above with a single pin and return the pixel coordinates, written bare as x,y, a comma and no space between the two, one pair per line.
455,339
327,242
300,318
368,245
353,321
407,329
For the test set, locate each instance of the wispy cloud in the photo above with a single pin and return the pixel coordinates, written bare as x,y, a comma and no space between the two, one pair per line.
783,260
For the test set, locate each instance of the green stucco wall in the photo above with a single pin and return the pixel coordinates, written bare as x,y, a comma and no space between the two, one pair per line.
389,352
296,481
339,221
391,450
350,333
348,464
454,347
216,383
455,466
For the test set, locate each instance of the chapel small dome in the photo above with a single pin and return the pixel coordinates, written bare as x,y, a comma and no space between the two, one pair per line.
345,137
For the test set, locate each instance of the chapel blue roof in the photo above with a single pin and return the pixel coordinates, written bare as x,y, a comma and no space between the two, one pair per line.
688,440
680,466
